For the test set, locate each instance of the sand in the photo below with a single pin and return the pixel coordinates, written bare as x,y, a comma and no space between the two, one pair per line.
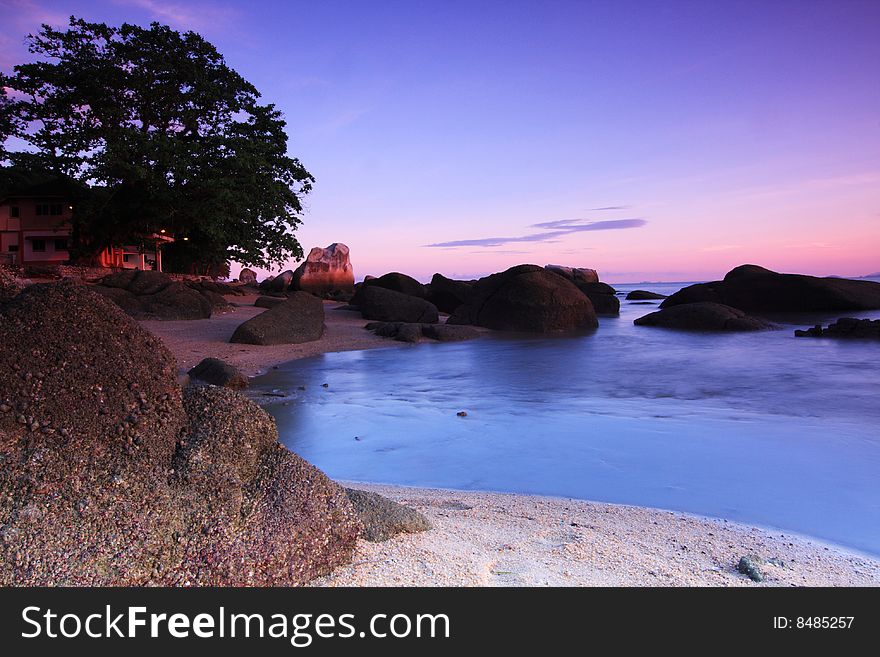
491,539
192,340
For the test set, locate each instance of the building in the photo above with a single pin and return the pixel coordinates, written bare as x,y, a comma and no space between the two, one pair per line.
35,225
35,228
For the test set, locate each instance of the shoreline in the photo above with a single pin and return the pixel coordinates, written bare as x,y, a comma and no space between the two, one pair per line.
509,539
602,544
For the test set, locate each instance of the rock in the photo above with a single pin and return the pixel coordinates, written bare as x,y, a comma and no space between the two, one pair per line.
257,514
751,565
219,373
216,287
643,295
128,484
448,333
299,319
527,298
269,302
845,327
595,288
755,289
448,294
382,518
325,270
10,285
153,295
704,317
412,332
575,274
387,305
399,283
279,283
247,276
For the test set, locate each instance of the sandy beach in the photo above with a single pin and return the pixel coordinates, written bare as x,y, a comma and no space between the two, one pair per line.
491,539
192,340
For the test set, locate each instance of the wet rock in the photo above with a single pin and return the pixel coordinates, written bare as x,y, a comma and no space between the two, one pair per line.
325,270
755,289
299,319
527,298
643,295
219,373
449,333
704,317
845,327
382,518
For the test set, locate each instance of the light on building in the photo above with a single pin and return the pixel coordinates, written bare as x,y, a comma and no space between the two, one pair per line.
162,231
186,239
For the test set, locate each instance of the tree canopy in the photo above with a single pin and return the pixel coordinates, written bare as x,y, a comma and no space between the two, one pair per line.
166,135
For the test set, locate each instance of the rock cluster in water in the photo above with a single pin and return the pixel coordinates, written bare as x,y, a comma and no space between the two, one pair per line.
111,475
755,289
845,327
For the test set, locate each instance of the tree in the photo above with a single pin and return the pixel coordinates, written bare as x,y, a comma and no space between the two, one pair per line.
167,136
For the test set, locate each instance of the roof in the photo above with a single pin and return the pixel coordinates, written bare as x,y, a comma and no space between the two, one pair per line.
62,188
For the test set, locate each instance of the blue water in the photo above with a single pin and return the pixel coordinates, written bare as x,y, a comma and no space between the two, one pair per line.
762,428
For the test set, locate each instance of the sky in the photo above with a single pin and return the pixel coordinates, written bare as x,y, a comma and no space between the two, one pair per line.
652,141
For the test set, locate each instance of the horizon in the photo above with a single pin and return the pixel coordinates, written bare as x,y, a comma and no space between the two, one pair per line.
652,143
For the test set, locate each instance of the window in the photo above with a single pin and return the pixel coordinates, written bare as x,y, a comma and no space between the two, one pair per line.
13,248
14,211
42,209
38,246
55,209
61,244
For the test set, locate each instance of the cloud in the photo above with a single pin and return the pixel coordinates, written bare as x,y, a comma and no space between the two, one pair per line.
553,231
186,15
609,207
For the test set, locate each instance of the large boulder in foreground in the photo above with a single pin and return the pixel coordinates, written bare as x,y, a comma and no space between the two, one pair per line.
448,294
385,305
10,285
299,319
399,283
755,289
109,478
527,298
254,512
705,316
325,270
153,295
382,518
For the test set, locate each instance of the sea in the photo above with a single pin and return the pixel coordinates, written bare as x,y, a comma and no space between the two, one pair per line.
761,428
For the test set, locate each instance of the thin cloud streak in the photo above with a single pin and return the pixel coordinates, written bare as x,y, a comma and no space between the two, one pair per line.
563,227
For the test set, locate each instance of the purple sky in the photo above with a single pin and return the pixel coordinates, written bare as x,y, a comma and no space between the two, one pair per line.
649,140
